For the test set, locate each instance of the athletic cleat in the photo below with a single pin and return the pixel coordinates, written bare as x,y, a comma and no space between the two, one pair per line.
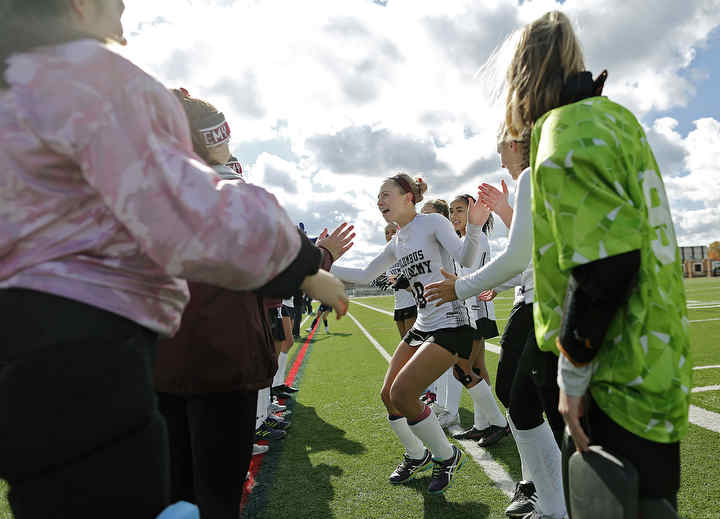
536,515
523,500
308,330
443,472
284,388
327,330
275,422
471,434
268,433
428,397
494,434
408,467
446,419
259,449
276,408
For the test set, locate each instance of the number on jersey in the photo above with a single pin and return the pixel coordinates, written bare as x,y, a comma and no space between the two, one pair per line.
419,293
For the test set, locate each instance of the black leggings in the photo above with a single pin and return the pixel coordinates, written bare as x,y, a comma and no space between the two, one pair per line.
211,438
526,381
80,433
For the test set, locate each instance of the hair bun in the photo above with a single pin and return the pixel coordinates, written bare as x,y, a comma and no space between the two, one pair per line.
422,186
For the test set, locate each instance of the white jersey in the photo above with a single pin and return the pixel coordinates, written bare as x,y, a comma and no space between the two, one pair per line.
421,248
288,302
403,298
478,308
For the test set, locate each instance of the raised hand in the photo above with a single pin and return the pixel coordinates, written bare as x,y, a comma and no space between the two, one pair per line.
478,213
496,201
442,291
338,242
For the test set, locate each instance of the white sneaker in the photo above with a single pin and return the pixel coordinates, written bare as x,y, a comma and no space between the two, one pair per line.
260,449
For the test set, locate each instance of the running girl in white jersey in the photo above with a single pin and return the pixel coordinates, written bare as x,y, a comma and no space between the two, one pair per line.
405,306
441,337
489,425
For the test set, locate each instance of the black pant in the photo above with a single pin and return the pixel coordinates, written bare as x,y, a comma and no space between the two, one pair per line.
658,464
80,434
211,438
527,377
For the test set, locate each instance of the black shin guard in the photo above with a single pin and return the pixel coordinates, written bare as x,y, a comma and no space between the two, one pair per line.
463,377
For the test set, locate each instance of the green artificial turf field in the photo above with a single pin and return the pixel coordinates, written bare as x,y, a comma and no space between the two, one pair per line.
340,451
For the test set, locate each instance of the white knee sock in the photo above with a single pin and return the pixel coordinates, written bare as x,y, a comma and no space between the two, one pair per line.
441,386
523,465
431,434
279,379
263,401
413,446
486,409
540,453
454,391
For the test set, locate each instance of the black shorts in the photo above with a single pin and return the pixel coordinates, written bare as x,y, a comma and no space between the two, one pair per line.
658,464
288,311
324,308
405,313
485,329
276,325
456,340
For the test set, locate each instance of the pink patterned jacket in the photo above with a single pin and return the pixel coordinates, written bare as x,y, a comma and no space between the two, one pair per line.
102,199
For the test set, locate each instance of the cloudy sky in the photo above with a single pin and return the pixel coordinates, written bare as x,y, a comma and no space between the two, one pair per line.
327,97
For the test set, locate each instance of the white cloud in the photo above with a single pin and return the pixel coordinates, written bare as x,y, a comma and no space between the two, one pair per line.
325,99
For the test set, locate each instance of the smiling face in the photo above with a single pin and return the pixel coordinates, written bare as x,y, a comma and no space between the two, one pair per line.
393,204
458,215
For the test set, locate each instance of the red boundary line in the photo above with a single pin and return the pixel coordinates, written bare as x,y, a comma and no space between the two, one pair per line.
257,461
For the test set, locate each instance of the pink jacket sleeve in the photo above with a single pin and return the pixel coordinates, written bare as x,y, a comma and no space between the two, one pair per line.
130,137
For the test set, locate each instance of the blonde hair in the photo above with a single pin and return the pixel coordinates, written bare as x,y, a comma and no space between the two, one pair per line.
548,52
407,184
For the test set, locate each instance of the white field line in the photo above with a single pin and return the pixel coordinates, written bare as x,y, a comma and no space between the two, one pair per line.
482,457
705,320
374,308
706,367
702,417
705,419
702,389
372,340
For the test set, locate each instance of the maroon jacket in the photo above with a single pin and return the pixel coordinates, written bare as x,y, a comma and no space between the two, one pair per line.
224,341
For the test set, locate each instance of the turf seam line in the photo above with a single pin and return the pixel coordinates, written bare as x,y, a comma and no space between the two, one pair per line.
494,471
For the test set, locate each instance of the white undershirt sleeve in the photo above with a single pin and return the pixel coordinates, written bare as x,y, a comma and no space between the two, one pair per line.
511,283
515,258
379,265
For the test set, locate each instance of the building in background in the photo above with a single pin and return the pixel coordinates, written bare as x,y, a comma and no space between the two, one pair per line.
697,263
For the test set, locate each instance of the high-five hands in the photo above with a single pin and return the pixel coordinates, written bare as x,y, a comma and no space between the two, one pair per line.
478,213
442,291
338,242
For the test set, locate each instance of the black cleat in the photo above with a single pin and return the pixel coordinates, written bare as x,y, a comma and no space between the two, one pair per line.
471,434
493,435
408,467
443,472
268,433
523,500
283,388
275,422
